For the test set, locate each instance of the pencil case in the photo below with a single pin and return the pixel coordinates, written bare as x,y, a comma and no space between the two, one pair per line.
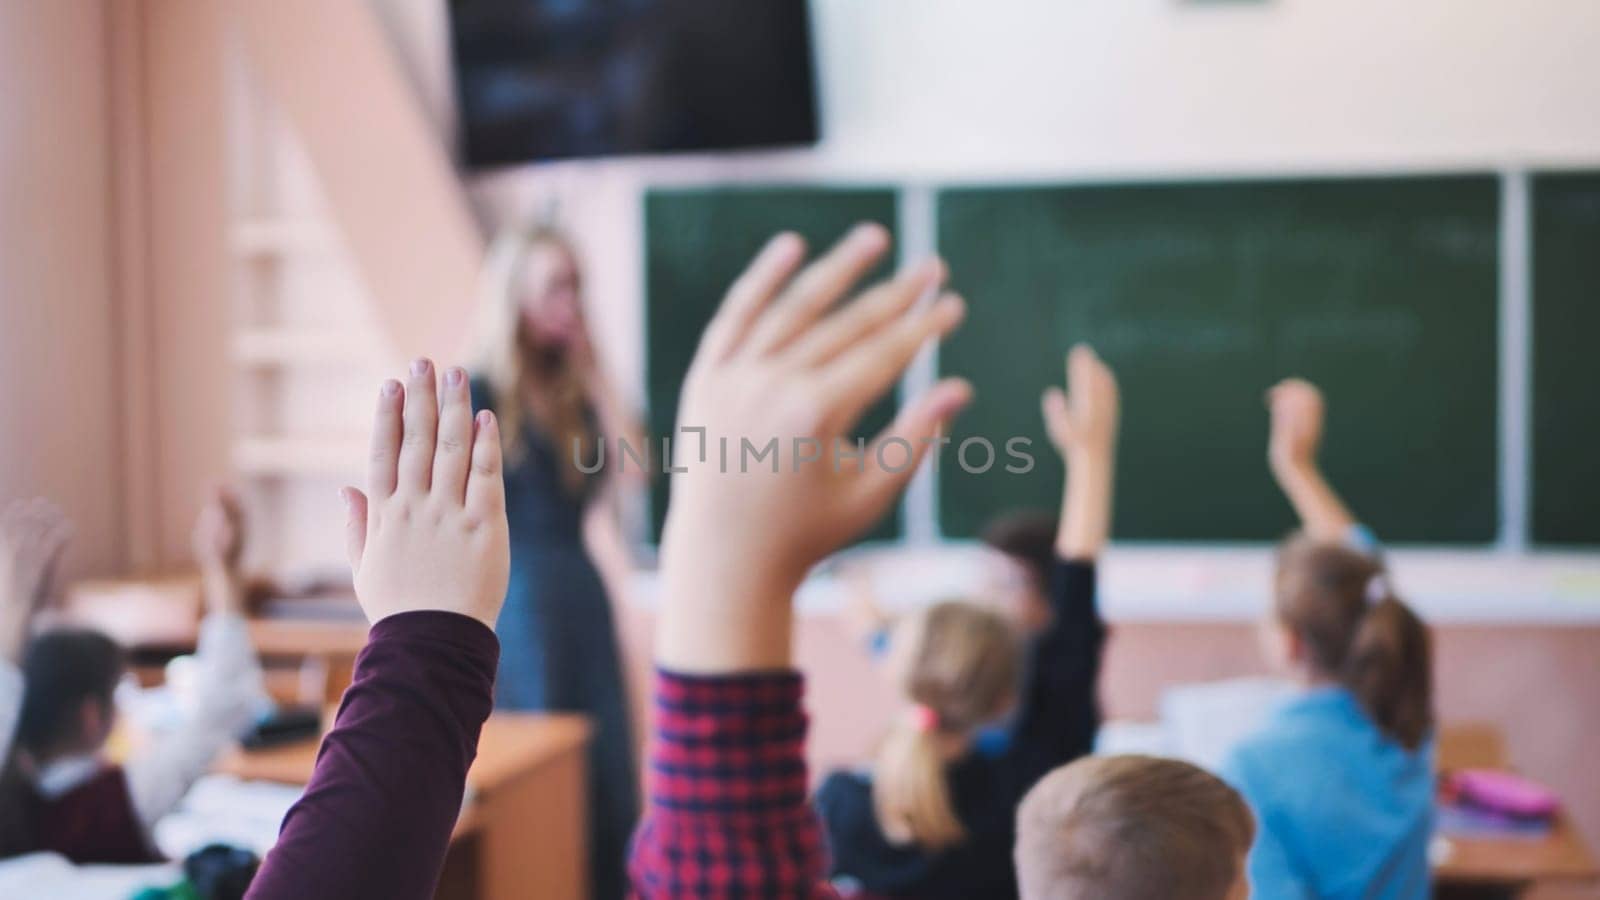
1503,792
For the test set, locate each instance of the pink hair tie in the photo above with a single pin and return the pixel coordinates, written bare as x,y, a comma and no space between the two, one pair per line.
924,719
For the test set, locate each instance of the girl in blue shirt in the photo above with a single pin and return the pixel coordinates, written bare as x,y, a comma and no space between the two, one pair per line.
1341,777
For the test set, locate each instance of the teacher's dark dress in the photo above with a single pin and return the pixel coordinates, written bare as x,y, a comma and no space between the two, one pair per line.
558,645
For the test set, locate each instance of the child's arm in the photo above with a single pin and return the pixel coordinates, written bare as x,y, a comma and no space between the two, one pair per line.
33,534
727,814
1297,418
429,549
228,691
1059,711
1083,427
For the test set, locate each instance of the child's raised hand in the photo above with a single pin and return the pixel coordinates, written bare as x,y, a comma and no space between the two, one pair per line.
778,362
1082,420
1082,424
218,536
33,535
430,532
1297,414
1297,418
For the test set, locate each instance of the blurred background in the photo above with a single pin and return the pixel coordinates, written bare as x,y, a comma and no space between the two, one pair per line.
222,222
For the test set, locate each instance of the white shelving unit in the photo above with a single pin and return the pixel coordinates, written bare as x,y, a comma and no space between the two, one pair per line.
306,353
297,456
269,347
270,237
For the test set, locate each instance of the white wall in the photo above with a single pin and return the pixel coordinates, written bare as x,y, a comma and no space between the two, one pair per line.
935,90
949,87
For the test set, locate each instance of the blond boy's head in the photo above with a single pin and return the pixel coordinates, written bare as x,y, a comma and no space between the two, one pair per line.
1132,828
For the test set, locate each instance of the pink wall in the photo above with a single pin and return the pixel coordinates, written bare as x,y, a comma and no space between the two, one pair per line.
114,296
60,433
189,290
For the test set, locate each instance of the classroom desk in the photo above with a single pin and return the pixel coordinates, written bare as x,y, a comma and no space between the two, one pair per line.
521,833
1504,867
332,644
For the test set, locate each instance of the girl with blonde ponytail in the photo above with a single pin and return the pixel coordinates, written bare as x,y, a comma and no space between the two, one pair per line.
935,816
959,673
1341,777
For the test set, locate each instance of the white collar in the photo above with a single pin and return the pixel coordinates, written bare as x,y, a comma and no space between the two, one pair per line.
62,775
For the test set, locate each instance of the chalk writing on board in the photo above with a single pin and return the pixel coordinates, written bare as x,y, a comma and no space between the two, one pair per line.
1193,337
1392,330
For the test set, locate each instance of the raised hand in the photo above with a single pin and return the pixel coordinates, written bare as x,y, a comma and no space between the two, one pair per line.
218,543
430,531
33,535
1297,420
780,363
218,536
1082,424
1297,415
1083,419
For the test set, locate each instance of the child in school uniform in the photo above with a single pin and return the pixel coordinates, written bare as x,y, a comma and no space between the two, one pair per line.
935,817
84,807
33,535
1341,777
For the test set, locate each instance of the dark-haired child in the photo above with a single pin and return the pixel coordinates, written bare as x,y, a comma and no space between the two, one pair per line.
33,535
83,806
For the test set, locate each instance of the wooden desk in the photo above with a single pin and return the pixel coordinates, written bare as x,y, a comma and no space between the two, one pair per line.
330,645
521,833
1505,866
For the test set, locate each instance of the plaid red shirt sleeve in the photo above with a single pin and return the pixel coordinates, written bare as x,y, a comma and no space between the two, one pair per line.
728,815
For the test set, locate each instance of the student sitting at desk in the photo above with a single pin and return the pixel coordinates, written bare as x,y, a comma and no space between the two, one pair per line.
1341,776
78,804
935,815
33,534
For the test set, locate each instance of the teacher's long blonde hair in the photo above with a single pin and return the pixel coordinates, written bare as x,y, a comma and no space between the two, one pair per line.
522,374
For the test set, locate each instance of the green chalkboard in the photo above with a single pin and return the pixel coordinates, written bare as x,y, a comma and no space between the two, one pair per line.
1566,366
1382,290
697,241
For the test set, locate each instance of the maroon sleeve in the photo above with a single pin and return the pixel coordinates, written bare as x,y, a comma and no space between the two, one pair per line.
375,820
728,816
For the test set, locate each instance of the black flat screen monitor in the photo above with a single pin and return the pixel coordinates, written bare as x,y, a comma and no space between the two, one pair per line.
548,79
